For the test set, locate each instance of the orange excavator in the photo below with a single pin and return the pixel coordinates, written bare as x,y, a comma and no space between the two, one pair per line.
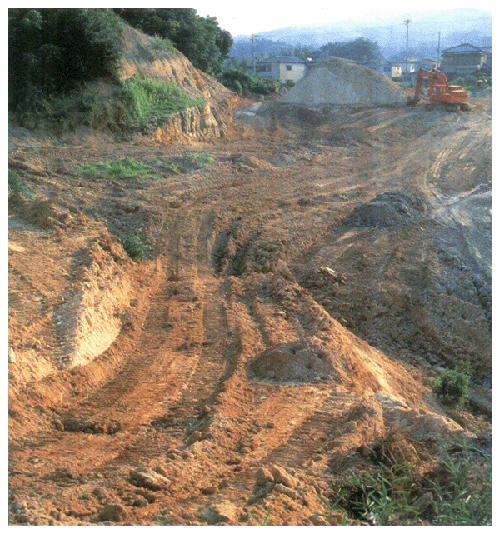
450,97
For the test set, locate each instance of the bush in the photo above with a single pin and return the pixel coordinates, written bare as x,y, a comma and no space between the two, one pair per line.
143,97
243,83
135,246
452,385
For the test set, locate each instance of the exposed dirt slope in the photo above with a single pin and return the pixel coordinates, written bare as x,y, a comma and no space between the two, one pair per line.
211,120
300,291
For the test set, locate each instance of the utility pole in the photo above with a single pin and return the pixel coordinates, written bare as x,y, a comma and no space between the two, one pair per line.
407,22
439,49
253,52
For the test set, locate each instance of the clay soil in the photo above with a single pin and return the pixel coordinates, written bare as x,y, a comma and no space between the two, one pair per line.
300,289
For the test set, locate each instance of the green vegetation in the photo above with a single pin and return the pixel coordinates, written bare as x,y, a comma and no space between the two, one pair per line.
125,168
161,44
135,245
452,385
143,97
361,49
464,497
266,522
243,83
202,160
54,51
457,492
16,186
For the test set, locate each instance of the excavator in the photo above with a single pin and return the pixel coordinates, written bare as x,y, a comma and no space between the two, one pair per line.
449,97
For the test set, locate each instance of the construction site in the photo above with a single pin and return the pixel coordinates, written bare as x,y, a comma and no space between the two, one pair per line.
305,268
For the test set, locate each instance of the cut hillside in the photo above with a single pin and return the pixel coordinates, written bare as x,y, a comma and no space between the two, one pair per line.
340,82
143,57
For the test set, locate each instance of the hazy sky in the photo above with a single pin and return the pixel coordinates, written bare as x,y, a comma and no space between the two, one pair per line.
246,17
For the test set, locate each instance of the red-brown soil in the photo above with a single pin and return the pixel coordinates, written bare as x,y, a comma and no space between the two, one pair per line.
300,292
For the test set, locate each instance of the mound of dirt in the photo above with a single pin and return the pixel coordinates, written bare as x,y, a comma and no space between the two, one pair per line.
386,210
341,82
306,360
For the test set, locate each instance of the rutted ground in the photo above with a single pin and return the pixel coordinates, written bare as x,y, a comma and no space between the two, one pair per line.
298,295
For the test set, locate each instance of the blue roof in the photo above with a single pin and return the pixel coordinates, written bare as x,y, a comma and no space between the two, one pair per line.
282,59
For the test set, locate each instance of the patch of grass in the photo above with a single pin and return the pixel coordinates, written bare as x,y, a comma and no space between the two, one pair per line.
125,168
135,245
144,98
202,160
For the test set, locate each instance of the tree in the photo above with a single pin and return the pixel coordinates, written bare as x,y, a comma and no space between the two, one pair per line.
361,50
52,51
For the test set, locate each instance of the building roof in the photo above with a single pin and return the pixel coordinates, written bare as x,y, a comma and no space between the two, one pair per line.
466,47
282,59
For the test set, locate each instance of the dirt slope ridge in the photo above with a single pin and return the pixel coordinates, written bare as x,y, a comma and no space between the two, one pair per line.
211,120
299,293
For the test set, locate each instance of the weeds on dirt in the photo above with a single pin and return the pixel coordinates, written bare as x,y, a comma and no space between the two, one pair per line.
144,98
16,186
202,160
463,495
266,522
125,168
135,245
456,492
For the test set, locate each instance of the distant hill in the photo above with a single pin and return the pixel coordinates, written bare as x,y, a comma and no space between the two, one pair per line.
455,25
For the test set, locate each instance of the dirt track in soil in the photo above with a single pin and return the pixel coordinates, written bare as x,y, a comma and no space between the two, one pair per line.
279,252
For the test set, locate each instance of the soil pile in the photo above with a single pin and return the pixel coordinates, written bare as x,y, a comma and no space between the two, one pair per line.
341,82
386,210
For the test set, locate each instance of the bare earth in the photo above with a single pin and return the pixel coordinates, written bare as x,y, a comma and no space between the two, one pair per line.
298,296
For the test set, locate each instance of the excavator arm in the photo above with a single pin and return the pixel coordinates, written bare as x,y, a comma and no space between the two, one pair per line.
412,101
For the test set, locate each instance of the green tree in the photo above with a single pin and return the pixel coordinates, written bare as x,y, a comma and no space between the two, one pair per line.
52,51
361,50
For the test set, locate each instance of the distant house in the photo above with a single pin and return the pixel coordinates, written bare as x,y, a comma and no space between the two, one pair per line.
397,69
464,59
281,69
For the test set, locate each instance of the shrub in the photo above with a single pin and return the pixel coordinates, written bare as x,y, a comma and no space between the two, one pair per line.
452,385
134,245
242,83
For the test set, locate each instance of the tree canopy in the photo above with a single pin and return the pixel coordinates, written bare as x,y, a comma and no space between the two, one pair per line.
361,50
52,51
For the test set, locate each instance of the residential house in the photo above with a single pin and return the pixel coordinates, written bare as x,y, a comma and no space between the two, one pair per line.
282,69
464,59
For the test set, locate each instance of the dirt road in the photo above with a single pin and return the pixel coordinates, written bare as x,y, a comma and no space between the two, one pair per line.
300,289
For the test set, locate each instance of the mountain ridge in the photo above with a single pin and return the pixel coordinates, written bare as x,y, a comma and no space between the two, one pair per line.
455,26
